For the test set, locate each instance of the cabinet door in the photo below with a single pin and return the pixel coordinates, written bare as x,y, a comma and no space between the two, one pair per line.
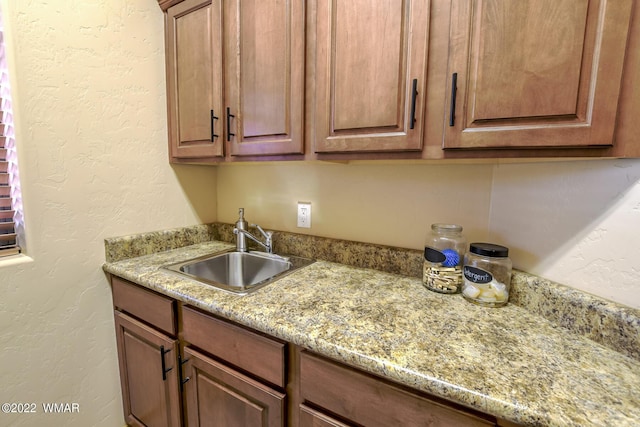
370,75
194,79
535,73
309,417
148,373
264,76
219,396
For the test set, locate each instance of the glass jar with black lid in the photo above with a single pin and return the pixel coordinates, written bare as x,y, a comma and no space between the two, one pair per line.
443,253
486,274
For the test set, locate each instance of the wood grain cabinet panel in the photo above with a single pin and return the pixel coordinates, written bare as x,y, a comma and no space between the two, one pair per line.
150,396
194,79
264,44
535,73
310,417
247,350
155,309
218,396
368,401
368,56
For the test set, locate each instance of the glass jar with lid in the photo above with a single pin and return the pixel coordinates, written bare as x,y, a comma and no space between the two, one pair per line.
443,254
487,274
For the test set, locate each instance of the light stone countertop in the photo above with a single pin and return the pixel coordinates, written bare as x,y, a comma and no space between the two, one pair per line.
506,361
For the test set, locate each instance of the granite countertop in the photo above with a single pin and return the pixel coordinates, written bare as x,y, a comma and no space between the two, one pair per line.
507,362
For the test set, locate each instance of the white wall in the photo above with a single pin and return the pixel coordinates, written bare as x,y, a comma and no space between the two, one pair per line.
89,100
577,223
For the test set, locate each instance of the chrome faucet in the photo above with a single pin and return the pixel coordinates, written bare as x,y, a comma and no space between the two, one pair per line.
242,233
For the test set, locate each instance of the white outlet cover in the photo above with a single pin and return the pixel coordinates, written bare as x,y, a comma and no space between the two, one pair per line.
304,215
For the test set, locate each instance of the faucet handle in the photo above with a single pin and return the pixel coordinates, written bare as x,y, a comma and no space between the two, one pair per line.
268,235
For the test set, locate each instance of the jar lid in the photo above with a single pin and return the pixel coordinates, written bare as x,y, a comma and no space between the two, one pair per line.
489,249
446,227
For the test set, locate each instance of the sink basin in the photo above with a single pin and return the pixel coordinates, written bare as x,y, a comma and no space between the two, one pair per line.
239,272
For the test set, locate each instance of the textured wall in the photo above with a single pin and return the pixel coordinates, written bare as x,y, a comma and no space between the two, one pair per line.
89,99
577,223
91,124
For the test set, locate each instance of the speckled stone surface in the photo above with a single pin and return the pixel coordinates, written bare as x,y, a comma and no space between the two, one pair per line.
608,323
613,325
118,248
407,262
507,362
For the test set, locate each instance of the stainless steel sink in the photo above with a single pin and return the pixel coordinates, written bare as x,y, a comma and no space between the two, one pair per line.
239,272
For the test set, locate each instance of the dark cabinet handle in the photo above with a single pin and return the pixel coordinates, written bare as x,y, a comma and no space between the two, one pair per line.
213,132
454,90
414,94
181,362
164,366
229,116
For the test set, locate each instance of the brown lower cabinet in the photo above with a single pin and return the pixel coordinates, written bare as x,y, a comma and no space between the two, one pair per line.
150,389
180,366
218,395
147,355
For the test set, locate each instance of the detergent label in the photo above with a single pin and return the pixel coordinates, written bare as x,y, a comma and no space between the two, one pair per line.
476,275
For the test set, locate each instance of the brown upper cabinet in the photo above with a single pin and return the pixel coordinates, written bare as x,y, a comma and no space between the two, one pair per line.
535,73
257,109
412,79
370,75
194,79
264,76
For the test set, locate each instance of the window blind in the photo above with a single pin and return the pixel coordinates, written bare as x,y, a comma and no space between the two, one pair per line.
8,169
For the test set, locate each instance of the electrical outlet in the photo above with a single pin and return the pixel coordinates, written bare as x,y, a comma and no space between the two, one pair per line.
304,215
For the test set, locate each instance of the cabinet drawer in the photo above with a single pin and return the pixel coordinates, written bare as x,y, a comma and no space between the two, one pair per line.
155,309
249,351
366,400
